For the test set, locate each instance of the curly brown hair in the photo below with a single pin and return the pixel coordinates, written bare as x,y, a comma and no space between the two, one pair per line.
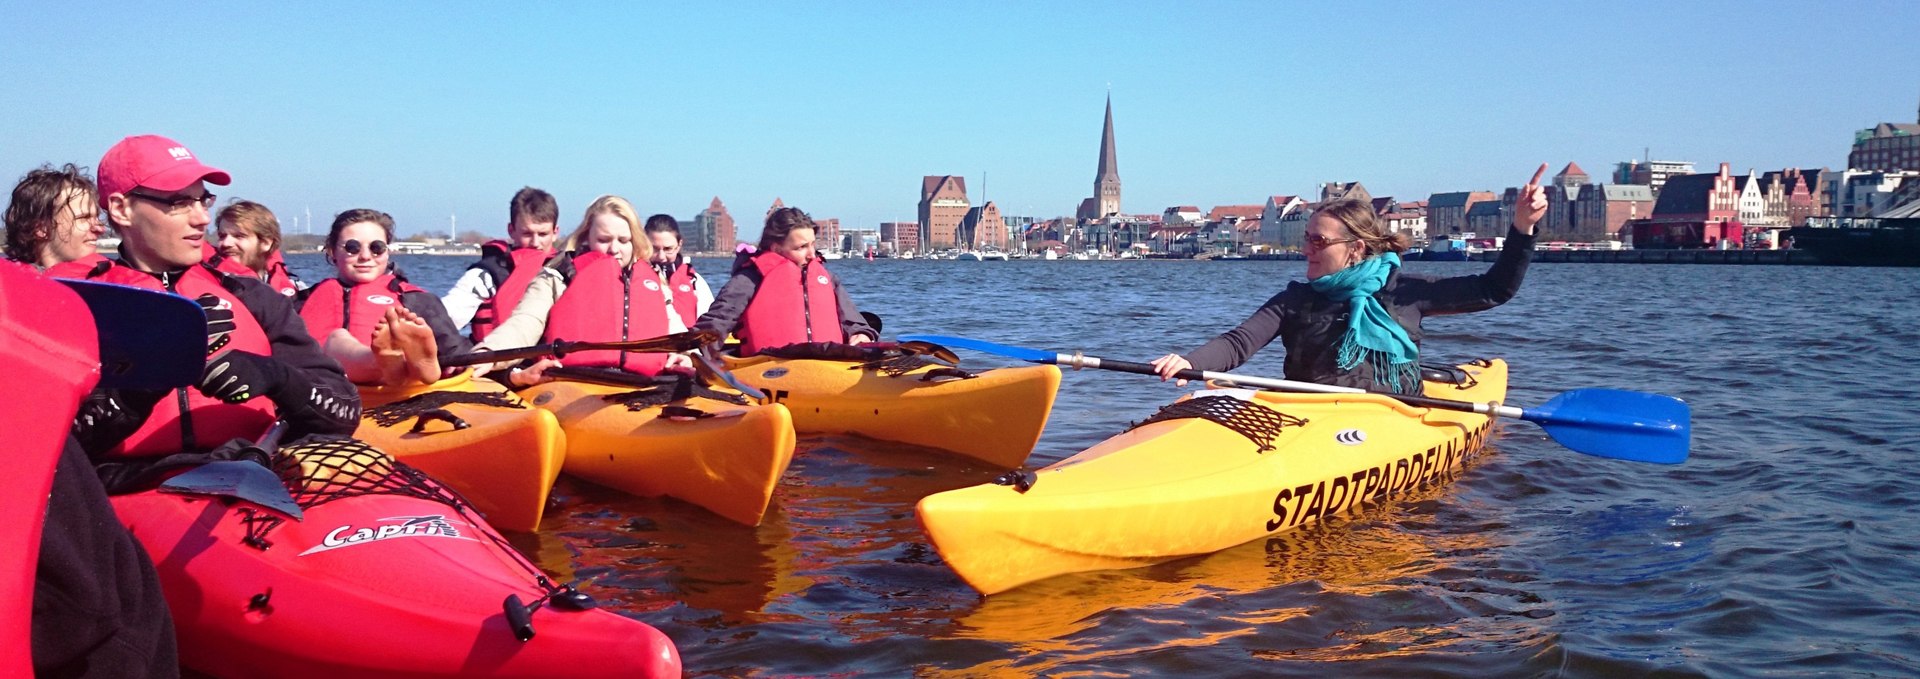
37,202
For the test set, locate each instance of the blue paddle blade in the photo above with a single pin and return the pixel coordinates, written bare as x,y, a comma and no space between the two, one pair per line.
985,347
1627,425
148,339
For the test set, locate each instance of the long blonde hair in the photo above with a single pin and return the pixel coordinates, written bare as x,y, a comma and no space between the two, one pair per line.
618,207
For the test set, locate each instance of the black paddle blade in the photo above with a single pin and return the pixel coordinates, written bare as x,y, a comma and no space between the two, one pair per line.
239,479
713,375
932,351
148,339
676,342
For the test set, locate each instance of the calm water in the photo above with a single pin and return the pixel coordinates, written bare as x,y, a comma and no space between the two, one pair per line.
1788,545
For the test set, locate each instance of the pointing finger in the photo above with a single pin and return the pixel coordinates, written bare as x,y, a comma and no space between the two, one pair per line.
1536,175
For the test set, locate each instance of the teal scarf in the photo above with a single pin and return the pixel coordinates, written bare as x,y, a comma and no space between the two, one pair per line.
1372,335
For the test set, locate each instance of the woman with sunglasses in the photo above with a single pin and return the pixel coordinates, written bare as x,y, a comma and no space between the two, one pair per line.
381,328
571,299
1355,322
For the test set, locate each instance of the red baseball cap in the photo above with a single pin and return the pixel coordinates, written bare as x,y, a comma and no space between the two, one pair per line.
154,162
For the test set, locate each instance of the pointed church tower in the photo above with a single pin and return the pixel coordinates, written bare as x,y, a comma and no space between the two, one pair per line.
1106,185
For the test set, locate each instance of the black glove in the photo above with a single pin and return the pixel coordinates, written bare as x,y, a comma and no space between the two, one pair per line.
108,416
220,323
236,376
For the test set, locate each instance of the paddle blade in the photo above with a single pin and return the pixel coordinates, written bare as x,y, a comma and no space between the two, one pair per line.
676,342
932,351
148,339
1626,425
715,376
239,479
985,347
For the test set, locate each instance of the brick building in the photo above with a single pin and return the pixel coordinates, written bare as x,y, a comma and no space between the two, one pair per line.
1693,211
897,237
1886,147
983,228
943,206
712,230
1447,212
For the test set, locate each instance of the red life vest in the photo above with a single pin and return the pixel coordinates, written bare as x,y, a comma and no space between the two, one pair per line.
788,310
685,303
521,265
331,305
212,256
81,268
581,314
278,277
206,422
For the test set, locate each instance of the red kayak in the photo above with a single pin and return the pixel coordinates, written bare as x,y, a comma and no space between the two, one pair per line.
388,575
47,353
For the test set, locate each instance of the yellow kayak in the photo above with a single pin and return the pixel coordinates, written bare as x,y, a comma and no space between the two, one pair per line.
1182,483
995,416
725,456
491,447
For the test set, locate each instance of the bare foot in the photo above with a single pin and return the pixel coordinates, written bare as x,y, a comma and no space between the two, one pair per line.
387,352
415,338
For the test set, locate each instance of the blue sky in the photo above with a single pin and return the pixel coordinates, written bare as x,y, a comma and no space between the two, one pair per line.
431,109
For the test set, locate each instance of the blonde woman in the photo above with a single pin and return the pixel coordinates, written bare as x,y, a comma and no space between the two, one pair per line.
594,292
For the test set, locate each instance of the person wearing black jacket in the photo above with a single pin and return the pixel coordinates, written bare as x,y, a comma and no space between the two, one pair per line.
789,236
1356,321
154,194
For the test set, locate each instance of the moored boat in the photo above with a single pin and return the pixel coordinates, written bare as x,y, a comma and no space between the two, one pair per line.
1216,469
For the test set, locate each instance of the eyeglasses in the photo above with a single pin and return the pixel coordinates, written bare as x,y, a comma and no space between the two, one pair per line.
177,203
1317,241
352,248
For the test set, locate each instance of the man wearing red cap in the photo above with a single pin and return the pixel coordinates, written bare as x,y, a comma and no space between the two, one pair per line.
154,193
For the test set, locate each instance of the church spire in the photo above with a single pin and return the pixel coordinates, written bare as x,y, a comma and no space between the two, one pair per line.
1106,184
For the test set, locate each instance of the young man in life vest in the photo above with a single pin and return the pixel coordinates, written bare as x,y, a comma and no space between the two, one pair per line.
784,294
261,363
486,294
249,235
601,290
687,292
382,329
54,220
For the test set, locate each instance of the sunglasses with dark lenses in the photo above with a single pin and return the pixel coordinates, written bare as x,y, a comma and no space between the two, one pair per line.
352,248
177,203
1319,241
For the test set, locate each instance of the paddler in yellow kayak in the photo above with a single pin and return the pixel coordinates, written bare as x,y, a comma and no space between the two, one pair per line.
1356,321
783,294
382,329
573,296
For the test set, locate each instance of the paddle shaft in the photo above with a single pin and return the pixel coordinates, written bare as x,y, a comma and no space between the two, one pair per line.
1084,361
684,341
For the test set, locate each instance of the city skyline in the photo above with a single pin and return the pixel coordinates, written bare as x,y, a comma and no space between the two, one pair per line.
324,109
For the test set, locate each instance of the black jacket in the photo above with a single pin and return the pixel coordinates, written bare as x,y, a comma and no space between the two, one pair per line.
97,605
310,390
1311,324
